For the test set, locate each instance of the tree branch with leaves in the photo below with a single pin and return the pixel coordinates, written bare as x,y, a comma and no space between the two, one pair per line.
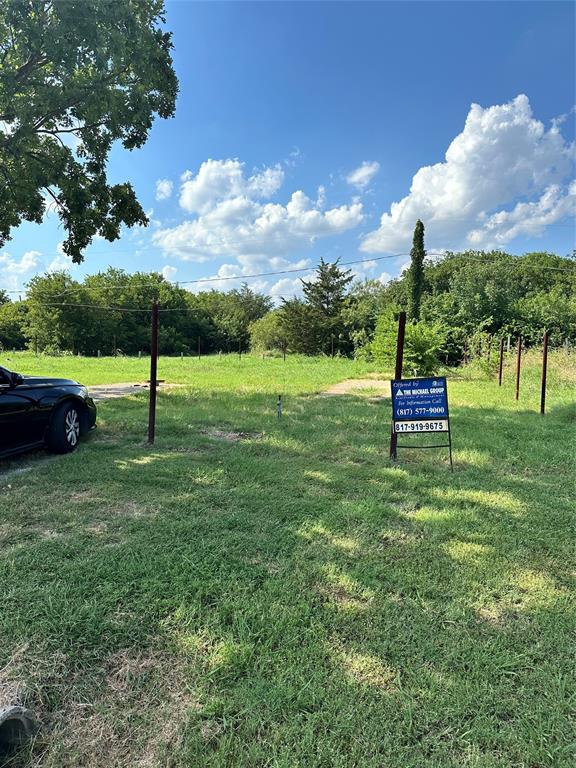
76,77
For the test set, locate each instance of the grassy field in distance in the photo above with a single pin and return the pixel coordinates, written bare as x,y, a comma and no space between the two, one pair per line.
297,374
251,592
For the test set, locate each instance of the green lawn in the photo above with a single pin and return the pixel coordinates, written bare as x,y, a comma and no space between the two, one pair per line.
249,373
290,599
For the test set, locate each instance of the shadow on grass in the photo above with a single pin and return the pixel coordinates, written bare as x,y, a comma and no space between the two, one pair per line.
327,608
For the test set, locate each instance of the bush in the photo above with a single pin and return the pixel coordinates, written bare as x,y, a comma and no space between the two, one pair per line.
483,352
362,345
266,333
423,345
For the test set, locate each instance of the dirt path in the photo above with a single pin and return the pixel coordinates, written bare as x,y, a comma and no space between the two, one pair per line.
111,391
348,387
351,386
101,392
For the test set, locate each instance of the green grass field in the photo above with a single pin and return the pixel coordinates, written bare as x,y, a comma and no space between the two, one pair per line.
228,373
290,599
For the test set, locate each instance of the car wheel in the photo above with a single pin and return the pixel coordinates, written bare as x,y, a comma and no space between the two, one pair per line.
64,430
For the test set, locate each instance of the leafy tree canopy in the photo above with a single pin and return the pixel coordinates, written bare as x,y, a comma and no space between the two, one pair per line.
75,76
473,297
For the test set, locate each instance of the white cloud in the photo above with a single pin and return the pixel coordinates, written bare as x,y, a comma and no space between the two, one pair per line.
362,176
163,189
293,157
169,271
14,271
233,219
505,175
526,218
229,276
221,180
59,264
286,287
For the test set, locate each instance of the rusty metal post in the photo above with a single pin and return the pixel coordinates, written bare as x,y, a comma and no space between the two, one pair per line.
518,364
544,372
153,374
398,374
501,361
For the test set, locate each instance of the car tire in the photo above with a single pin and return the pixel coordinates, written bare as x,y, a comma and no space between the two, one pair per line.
65,429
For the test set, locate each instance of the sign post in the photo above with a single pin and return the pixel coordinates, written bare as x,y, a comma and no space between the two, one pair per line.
398,373
420,406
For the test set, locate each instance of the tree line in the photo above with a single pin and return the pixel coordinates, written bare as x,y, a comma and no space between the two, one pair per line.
452,302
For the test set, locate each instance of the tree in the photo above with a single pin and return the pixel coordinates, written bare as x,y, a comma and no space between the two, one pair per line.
302,327
76,76
12,324
59,315
416,272
232,313
266,333
363,305
325,296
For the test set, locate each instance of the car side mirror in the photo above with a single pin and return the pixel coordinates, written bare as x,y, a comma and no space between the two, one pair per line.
17,379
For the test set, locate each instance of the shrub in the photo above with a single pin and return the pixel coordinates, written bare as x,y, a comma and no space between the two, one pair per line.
266,333
423,345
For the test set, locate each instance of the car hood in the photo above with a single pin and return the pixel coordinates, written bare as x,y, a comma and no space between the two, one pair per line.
35,381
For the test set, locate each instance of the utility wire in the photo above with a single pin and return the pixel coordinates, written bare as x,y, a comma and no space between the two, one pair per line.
465,257
155,284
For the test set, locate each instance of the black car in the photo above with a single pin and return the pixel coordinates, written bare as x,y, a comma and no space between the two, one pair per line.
37,411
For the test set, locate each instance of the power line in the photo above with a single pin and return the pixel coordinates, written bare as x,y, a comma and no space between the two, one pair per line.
277,273
155,284
95,306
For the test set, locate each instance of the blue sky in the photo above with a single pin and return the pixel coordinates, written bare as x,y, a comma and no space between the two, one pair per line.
325,129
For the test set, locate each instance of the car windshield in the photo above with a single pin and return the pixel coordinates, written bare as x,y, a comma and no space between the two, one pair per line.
5,376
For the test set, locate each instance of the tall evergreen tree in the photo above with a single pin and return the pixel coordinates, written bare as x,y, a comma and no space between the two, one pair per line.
325,297
416,272
327,291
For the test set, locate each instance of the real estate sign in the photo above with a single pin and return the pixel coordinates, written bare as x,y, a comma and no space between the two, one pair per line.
420,406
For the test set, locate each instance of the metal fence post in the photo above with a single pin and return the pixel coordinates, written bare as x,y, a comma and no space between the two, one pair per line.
398,374
501,361
518,364
153,374
544,373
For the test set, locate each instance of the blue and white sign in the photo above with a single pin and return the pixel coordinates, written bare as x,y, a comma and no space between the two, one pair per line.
420,405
